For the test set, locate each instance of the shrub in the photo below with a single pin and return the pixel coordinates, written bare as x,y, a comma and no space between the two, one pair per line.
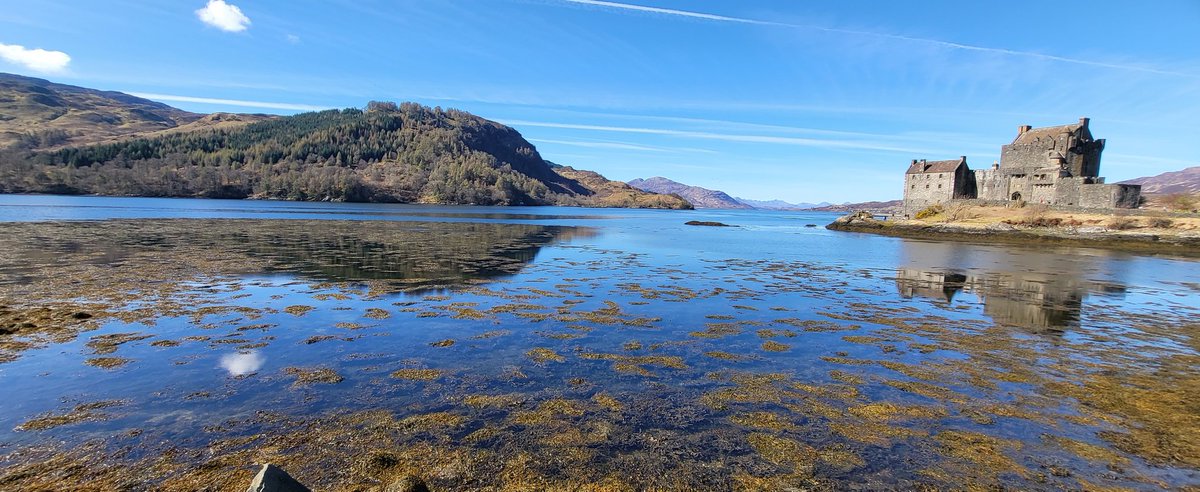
1122,224
1161,223
930,211
1183,202
960,211
1036,210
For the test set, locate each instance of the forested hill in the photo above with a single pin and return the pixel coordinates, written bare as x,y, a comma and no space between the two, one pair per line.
387,153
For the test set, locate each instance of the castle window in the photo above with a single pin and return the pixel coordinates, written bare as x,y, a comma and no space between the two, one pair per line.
939,177
939,186
927,187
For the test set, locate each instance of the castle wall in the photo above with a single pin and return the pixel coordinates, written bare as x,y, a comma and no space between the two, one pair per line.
991,184
964,184
1025,157
1068,192
1110,196
923,190
1019,187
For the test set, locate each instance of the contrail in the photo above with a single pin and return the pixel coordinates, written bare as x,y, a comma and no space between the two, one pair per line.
896,37
230,102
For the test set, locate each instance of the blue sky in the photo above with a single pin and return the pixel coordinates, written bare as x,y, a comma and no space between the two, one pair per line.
802,101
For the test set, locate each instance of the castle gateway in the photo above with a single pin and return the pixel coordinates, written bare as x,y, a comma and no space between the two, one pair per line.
1057,165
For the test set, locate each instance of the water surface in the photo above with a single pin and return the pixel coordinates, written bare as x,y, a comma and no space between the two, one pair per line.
492,347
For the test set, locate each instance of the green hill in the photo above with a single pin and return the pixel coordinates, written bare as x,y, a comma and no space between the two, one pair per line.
404,153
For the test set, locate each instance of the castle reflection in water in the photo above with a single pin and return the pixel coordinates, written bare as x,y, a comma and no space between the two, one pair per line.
1041,291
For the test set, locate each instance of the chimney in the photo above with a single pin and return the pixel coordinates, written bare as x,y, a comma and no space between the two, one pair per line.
1023,128
1084,121
962,159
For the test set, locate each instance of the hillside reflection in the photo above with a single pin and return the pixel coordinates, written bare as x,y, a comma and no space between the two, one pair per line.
1041,292
409,253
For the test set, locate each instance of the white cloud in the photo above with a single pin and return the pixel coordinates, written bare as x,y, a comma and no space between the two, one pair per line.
223,16
292,38
230,102
38,60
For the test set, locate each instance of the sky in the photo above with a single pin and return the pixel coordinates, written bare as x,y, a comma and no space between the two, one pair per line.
800,101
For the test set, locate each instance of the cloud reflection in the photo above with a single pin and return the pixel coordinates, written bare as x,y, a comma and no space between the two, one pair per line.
241,364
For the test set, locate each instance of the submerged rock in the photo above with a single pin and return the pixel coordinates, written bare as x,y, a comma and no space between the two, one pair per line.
705,223
273,479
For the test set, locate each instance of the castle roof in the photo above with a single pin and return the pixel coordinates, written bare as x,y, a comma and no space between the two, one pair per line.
925,167
1028,134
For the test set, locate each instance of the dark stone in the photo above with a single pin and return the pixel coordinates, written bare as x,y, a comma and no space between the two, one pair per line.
82,315
273,479
705,223
408,483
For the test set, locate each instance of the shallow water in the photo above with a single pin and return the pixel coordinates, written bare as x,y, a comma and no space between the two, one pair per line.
488,347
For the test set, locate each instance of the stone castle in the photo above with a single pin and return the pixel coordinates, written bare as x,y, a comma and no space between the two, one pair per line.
1057,166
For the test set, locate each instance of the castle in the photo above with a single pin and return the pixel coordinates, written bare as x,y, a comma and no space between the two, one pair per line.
1057,165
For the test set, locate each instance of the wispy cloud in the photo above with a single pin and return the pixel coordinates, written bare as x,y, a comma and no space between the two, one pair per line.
38,60
230,102
617,145
881,35
223,16
727,137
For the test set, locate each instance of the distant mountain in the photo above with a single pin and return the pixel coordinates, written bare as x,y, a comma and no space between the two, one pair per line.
40,113
72,140
780,204
879,207
1185,181
608,193
697,196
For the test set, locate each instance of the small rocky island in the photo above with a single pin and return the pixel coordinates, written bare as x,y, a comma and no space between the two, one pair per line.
1046,188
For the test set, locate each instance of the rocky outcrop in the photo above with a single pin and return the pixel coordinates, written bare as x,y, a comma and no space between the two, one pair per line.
859,220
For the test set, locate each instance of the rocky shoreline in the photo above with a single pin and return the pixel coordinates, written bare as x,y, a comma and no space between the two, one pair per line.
1096,237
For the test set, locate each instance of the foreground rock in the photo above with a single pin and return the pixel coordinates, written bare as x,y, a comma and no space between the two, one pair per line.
706,223
273,479
407,484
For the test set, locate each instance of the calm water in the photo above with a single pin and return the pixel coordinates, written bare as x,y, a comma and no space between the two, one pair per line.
485,346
